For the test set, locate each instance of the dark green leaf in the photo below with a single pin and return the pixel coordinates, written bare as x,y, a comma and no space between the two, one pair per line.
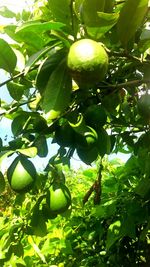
46,69
57,93
113,234
61,12
41,145
143,186
16,90
2,183
131,17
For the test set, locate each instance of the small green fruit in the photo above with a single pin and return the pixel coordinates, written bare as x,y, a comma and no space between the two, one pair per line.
58,198
21,174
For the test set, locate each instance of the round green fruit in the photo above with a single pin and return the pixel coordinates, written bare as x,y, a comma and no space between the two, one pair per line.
64,135
95,115
87,155
87,62
21,174
58,198
87,138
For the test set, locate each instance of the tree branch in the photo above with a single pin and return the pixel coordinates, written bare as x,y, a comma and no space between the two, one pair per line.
20,74
125,84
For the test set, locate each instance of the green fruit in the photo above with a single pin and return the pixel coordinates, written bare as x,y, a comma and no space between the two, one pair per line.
64,135
21,174
88,62
87,139
87,155
144,106
58,198
95,115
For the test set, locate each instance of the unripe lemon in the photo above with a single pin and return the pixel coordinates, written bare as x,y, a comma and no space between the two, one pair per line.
21,174
88,62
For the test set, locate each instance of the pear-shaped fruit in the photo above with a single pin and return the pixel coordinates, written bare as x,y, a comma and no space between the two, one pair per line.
21,174
58,198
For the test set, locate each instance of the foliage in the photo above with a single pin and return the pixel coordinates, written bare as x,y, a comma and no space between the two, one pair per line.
48,104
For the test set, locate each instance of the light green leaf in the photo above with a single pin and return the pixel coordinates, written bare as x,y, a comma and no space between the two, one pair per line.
36,249
113,234
57,92
5,12
4,155
29,152
38,27
89,11
105,23
131,17
8,58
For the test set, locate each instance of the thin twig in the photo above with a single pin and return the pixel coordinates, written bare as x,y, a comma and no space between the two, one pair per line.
20,74
126,84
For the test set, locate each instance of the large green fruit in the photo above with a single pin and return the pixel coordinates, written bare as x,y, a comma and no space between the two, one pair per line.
88,62
87,155
64,135
87,139
95,115
21,174
58,198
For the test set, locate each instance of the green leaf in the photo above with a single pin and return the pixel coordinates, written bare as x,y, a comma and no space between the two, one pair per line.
29,152
5,12
16,90
3,156
113,234
57,92
109,4
89,11
8,58
46,69
61,12
128,226
2,183
41,145
131,17
38,27
18,123
103,143
105,23
28,39
35,57
143,187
